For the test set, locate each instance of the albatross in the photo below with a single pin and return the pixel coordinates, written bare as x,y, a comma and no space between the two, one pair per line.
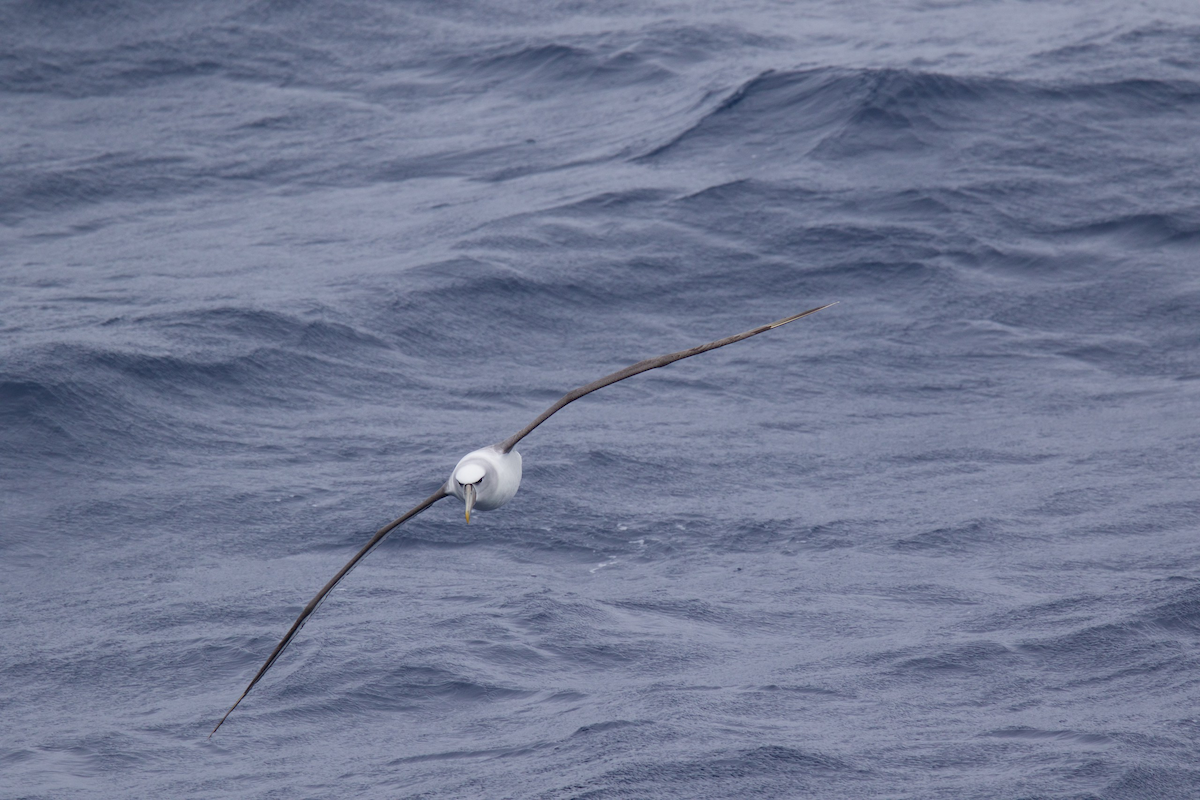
487,478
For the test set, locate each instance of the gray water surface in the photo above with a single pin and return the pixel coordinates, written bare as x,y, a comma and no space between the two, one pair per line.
267,270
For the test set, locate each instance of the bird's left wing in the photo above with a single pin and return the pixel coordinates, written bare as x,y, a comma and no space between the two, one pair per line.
642,366
316,601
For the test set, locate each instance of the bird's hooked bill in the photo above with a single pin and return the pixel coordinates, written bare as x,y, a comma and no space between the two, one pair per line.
469,496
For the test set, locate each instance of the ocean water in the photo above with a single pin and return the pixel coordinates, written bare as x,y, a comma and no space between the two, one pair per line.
267,270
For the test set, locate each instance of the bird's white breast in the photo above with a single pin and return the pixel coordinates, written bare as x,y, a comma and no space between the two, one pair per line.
501,477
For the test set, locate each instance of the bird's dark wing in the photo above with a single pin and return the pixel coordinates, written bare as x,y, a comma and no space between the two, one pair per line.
316,601
642,366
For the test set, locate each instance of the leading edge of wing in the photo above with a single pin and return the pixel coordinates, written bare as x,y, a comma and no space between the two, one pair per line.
642,366
316,601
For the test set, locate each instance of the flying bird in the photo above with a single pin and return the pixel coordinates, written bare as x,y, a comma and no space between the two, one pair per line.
487,478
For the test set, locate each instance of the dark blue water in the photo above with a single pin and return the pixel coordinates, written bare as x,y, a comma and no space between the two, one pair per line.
267,270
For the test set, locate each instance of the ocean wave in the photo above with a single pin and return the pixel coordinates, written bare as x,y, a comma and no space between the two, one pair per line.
803,110
834,113
769,770
96,400
540,68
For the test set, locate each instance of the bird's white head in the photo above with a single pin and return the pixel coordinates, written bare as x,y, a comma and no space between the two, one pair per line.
485,479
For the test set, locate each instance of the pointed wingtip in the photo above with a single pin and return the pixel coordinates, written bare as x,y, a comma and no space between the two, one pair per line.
795,317
219,724
231,708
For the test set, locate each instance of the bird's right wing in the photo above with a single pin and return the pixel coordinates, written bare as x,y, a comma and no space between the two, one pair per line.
650,363
316,601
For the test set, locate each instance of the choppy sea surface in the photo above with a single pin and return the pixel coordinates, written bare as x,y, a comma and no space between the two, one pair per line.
268,269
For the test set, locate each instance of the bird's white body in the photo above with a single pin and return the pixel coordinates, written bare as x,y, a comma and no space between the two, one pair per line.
495,475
